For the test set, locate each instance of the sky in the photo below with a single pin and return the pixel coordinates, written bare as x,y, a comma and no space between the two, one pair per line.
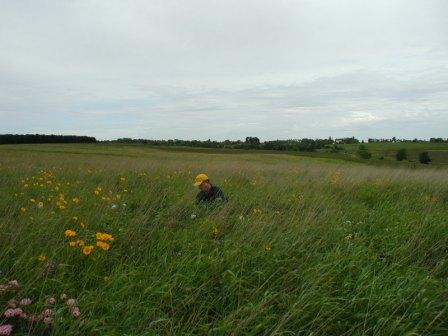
200,69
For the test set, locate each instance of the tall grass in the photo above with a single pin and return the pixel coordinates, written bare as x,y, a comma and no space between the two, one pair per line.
303,246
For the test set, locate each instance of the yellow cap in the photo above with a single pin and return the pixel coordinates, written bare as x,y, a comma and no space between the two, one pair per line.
200,178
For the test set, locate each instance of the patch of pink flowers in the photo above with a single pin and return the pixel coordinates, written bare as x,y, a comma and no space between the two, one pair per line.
14,313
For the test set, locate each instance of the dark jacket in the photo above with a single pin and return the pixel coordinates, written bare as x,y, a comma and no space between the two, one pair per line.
214,194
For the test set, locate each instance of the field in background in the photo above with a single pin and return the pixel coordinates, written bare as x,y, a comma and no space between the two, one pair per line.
437,151
304,245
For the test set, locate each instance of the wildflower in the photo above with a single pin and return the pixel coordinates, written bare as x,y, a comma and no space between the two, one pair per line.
82,225
51,301
41,258
40,205
23,209
113,206
335,177
104,236
48,320
5,329
75,312
9,313
75,200
13,284
70,233
122,179
63,296
12,303
193,216
75,218
87,249
48,312
25,302
62,207
268,248
215,231
72,243
13,312
32,200
71,302
102,245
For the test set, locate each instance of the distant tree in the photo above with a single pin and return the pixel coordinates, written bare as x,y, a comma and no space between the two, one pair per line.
252,141
401,154
424,158
363,152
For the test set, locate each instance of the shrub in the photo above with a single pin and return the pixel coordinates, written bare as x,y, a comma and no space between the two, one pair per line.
364,153
424,158
401,154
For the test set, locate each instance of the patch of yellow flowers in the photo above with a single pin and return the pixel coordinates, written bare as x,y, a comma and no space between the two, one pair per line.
102,241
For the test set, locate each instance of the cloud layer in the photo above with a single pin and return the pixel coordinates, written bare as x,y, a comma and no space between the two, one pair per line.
225,69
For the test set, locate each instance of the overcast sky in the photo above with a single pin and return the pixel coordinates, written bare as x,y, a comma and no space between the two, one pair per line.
200,69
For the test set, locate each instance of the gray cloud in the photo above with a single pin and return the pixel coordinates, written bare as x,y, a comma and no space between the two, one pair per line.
214,69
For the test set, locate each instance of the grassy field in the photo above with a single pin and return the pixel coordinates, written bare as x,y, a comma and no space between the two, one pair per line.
304,246
437,151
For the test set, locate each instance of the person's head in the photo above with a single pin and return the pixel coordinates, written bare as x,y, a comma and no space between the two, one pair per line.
202,182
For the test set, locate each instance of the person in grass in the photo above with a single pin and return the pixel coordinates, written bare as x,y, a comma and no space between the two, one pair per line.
208,192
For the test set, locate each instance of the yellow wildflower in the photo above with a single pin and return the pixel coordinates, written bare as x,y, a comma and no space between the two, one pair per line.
40,205
102,245
70,233
87,249
41,258
32,200
23,209
104,236
72,243
75,200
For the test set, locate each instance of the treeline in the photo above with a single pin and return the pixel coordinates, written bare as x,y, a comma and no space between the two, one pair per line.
308,145
437,140
43,138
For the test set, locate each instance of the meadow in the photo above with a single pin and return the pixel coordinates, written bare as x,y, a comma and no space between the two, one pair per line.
107,240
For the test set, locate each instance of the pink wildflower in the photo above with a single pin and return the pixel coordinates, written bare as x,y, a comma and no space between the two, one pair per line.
5,329
13,284
25,302
48,320
12,303
51,301
75,312
63,296
71,302
9,312
48,312
18,312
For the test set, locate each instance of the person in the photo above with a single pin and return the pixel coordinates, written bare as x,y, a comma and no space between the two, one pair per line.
208,192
